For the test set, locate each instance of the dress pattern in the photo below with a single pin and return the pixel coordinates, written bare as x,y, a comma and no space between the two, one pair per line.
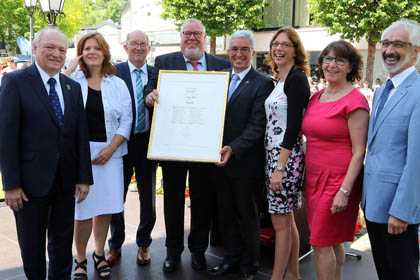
289,198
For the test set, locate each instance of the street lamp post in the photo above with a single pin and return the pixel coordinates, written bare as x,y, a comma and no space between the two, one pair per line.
30,5
52,9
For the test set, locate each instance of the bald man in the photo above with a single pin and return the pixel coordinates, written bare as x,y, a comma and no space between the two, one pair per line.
44,156
141,79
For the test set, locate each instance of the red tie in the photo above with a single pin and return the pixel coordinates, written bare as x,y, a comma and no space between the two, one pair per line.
194,65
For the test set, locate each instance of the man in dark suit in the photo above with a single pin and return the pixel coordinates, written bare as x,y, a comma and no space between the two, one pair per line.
44,156
240,172
191,57
141,79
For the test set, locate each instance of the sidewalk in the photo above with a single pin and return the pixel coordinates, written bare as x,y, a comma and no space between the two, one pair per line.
11,267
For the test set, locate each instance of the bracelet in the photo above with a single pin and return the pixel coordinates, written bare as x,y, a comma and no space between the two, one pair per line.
344,191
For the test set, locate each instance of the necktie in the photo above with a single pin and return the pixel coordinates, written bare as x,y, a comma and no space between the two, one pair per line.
140,110
195,64
55,102
383,98
233,84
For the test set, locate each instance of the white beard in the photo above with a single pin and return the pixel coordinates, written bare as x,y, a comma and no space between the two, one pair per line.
192,53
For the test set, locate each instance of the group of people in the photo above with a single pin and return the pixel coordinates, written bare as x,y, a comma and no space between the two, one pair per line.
85,132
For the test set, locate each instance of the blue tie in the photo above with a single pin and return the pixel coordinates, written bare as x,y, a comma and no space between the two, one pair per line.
140,110
383,98
233,84
55,102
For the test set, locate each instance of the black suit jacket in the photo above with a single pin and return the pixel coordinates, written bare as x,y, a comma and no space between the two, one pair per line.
123,71
245,123
33,148
176,61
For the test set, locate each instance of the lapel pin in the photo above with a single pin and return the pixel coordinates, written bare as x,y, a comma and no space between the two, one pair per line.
68,87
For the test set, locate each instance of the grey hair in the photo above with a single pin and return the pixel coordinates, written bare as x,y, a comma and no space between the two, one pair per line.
245,34
39,35
412,27
144,34
193,20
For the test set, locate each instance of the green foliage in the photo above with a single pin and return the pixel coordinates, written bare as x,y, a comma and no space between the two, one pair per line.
219,17
101,10
14,22
355,19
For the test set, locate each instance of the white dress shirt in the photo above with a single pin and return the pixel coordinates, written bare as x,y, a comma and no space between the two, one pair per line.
45,77
144,80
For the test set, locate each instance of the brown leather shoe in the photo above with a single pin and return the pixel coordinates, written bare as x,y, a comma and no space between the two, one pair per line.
113,257
143,256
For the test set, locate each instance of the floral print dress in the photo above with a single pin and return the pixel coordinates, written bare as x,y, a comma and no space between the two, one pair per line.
289,198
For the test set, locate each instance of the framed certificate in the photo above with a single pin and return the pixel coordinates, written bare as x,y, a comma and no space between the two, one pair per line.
188,121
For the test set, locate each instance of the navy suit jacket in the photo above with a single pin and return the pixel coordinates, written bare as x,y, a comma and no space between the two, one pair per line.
245,123
123,71
33,148
176,61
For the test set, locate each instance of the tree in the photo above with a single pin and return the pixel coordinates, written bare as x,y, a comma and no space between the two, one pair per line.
101,10
218,17
355,19
14,22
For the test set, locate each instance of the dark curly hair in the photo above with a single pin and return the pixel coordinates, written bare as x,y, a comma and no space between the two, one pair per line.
344,50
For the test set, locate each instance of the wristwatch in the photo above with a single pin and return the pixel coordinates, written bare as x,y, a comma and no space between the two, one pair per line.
344,191
281,167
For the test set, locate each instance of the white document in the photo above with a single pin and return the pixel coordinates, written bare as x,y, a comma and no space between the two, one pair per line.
188,121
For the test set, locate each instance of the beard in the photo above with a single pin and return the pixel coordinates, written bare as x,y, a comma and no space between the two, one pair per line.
397,67
193,53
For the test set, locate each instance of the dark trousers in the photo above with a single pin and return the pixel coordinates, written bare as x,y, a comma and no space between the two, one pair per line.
145,170
239,220
395,256
52,215
202,198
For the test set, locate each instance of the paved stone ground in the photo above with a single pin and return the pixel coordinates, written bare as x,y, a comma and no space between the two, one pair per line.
10,262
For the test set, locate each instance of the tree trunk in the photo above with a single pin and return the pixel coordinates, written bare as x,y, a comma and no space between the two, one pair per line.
213,44
370,62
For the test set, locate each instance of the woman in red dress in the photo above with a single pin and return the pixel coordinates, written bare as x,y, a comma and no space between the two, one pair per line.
335,125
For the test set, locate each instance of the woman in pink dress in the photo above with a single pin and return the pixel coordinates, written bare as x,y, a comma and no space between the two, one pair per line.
335,125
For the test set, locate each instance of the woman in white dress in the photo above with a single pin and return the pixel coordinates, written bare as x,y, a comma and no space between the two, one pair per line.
108,111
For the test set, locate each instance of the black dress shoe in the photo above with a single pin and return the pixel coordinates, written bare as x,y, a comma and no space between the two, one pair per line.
245,276
170,265
223,269
198,261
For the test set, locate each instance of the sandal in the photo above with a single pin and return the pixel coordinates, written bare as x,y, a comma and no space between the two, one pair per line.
80,275
104,271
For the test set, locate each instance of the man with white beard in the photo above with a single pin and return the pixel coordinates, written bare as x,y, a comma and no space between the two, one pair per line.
191,57
391,187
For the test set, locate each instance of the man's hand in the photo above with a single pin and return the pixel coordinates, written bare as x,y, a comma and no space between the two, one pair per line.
103,155
81,192
152,97
339,203
15,198
225,154
396,226
276,181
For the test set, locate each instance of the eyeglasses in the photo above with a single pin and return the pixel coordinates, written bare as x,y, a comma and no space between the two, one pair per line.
396,44
195,34
241,50
338,60
137,44
283,45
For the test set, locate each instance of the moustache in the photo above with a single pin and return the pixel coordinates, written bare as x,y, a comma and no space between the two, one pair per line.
391,55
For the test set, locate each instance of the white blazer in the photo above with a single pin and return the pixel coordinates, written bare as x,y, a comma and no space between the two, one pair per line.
117,108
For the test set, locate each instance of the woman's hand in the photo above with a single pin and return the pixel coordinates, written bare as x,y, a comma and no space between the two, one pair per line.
339,203
276,181
104,155
73,65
